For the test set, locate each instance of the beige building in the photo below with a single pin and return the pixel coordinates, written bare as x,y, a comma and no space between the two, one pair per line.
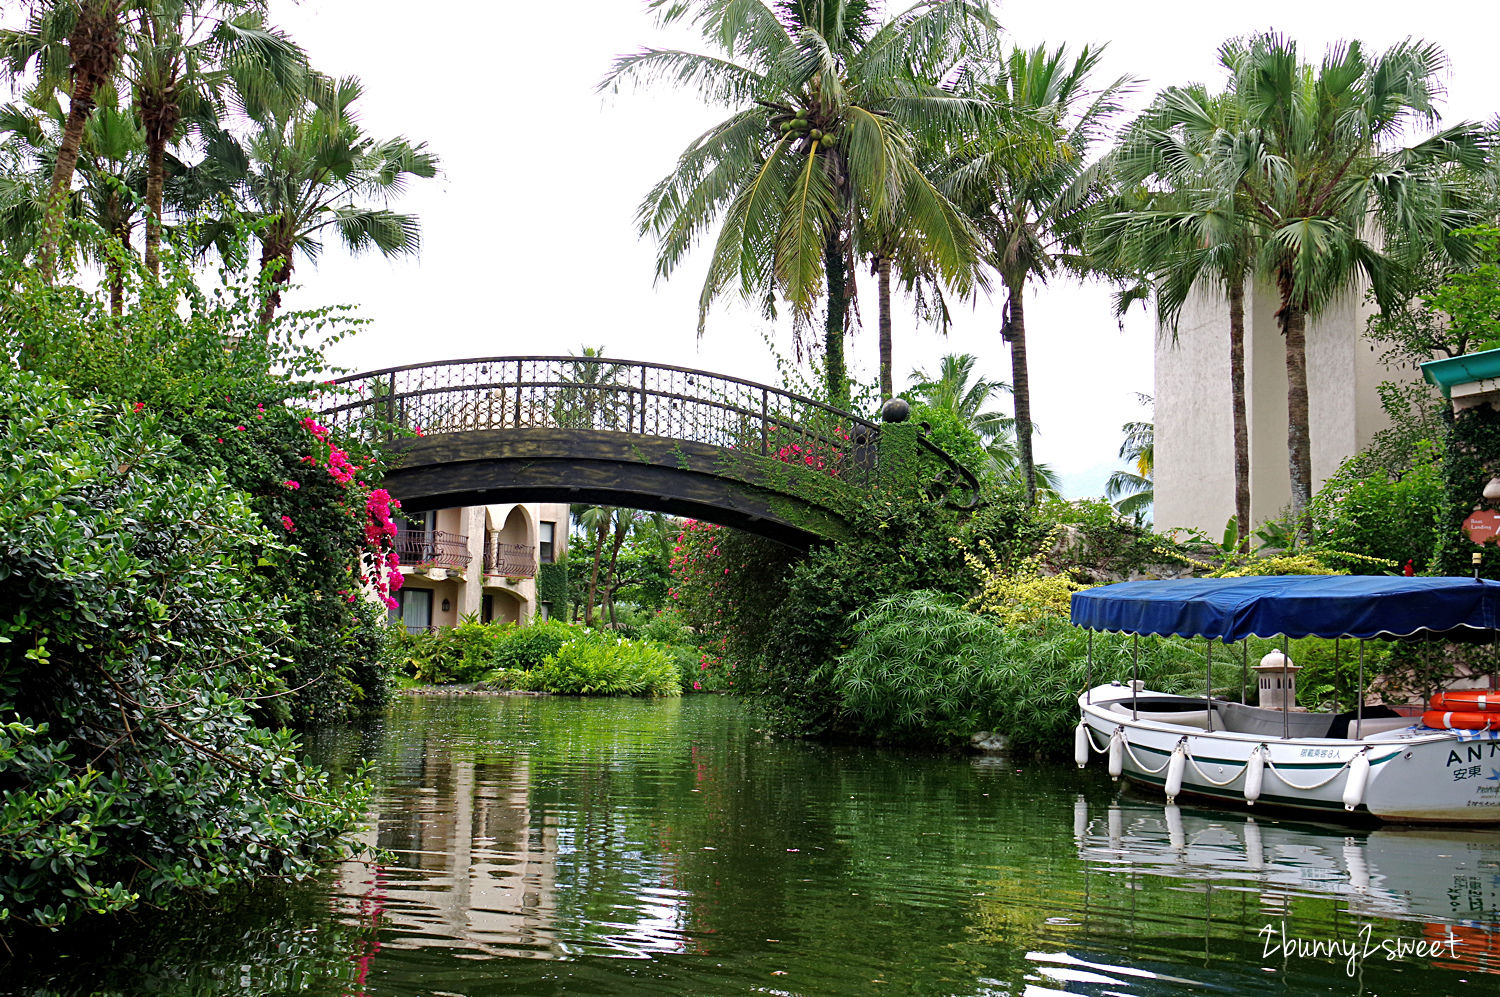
1194,469
481,561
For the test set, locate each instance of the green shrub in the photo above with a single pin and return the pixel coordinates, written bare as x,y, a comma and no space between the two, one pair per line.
139,619
922,669
596,664
527,647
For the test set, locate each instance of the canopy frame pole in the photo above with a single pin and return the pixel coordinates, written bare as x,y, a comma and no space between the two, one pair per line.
1359,695
1088,672
1135,674
1208,683
1336,674
1245,670
1286,707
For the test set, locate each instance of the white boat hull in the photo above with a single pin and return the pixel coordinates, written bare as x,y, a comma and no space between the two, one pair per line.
1415,774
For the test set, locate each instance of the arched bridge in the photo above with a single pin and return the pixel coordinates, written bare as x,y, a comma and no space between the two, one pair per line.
640,435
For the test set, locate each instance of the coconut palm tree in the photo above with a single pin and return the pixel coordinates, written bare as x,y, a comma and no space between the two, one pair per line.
1028,185
75,47
827,107
303,170
1132,491
1181,226
1339,200
186,60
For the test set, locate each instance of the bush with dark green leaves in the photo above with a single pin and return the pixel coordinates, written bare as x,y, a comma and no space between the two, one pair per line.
140,621
236,397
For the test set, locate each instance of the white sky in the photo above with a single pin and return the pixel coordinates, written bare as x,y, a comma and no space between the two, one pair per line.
529,243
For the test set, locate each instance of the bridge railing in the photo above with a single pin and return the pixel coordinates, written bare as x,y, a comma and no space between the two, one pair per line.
597,393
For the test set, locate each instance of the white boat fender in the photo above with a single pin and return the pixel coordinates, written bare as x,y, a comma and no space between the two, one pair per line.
1115,824
1081,745
1255,850
1175,768
1176,837
1255,774
1354,783
1359,869
1117,754
1080,817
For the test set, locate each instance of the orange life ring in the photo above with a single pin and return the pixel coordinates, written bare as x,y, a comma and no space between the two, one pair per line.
1461,720
1469,700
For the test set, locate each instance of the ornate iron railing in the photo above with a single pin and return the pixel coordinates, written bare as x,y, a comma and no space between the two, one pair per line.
510,560
622,396
434,548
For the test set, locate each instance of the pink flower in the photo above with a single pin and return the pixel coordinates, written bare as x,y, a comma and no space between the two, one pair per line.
293,485
697,684
239,429
138,406
288,525
418,430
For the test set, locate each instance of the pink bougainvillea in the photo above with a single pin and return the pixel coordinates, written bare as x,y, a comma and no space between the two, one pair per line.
288,525
379,567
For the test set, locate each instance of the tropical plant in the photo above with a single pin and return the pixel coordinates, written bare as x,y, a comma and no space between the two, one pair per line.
75,47
1183,224
958,393
1336,197
111,166
829,105
185,60
596,664
308,168
1132,492
1028,186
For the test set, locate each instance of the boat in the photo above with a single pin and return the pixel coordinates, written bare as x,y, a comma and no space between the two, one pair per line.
1366,764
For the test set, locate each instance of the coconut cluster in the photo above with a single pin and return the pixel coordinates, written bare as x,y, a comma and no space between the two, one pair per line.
800,124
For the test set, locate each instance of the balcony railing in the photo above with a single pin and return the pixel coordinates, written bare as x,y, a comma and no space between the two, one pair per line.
433,548
510,560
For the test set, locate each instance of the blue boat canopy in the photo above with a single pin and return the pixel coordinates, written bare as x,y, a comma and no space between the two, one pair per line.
1295,605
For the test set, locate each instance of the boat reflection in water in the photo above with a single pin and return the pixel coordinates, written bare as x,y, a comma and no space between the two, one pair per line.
1445,884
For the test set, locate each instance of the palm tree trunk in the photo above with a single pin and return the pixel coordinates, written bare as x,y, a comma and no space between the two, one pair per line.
1015,333
1298,435
1237,401
277,260
622,527
836,269
95,46
159,116
600,532
883,274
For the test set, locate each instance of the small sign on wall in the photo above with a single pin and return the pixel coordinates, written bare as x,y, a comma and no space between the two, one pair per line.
1482,525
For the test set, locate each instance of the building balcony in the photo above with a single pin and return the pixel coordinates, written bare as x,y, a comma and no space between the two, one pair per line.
434,549
510,560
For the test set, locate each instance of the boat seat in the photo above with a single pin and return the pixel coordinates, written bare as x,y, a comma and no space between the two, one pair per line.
1186,718
1243,719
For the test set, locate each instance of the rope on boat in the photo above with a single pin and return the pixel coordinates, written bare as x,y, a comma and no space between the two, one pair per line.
1119,734
1317,785
1210,779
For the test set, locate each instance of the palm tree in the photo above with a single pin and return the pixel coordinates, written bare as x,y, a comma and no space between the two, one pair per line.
75,45
1028,185
1132,492
110,166
955,390
1182,227
185,59
828,104
1337,199
303,170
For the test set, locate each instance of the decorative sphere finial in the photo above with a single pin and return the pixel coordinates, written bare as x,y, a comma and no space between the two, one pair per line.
895,410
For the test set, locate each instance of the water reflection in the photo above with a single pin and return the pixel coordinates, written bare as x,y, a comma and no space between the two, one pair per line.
548,846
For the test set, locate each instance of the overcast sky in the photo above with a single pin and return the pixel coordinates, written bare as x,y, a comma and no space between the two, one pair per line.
529,242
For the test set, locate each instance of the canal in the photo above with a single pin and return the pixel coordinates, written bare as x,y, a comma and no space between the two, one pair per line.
556,846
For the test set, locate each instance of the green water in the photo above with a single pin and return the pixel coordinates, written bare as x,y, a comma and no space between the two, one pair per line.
553,846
